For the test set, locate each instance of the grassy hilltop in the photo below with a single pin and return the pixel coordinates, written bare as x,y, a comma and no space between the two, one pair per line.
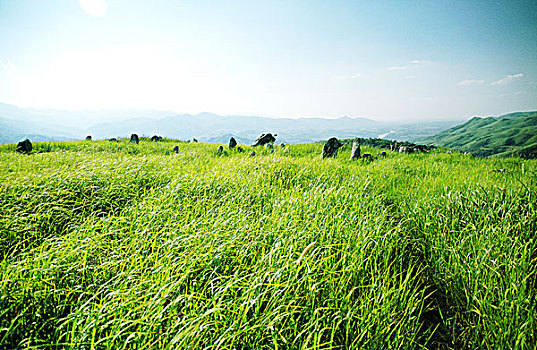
112,245
513,134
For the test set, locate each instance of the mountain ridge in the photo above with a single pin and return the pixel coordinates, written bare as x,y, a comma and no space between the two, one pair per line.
54,125
513,134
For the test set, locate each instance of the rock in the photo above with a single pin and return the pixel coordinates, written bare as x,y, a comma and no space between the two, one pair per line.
264,139
355,153
176,149
252,154
232,143
367,156
156,138
113,139
331,147
383,154
134,139
88,138
220,149
24,146
282,145
406,149
194,140
239,149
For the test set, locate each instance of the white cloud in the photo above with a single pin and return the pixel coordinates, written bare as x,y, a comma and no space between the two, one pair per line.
471,82
421,62
410,77
350,76
9,67
507,79
13,67
398,68
412,64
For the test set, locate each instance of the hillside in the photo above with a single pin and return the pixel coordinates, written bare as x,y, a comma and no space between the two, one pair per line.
112,245
512,134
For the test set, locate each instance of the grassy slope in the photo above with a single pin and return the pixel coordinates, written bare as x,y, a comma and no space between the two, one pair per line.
110,246
512,134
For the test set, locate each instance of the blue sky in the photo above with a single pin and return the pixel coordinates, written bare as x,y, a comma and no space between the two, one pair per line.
386,60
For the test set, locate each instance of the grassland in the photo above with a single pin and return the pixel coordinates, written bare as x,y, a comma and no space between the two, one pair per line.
119,246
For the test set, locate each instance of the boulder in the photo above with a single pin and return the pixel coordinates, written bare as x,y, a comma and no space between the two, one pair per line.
331,147
406,149
232,143
134,139
263,139
176,149
88,138
24,146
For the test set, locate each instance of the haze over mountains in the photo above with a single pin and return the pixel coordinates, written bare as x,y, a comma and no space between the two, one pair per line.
47,125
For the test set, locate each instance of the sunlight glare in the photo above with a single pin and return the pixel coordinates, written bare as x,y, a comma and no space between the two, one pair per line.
96,8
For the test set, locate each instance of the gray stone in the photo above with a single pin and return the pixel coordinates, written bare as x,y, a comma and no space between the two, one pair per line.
263,139
355,153
406,149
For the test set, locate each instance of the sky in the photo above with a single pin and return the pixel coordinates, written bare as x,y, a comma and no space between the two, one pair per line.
384,60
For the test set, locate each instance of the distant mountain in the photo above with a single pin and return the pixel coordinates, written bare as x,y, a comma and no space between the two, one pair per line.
511,134
207,127
17,123
12,131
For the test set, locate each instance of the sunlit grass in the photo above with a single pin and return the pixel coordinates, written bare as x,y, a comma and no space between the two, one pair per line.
112,245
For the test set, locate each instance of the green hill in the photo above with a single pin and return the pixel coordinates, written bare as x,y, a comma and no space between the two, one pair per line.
513,134
112,245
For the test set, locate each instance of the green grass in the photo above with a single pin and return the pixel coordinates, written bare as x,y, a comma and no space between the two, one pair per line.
113,245
508,135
